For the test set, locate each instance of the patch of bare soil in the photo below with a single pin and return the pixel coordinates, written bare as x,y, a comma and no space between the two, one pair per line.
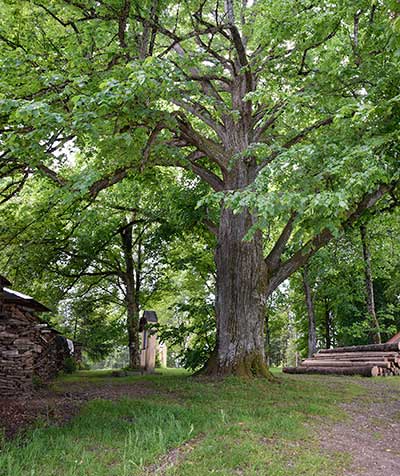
53,407
370,435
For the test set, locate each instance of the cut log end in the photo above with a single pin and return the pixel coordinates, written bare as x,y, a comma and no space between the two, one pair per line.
375,371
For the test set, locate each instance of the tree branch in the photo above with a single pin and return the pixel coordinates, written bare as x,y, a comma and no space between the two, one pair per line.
315,45
150,141
300,258
213,180
295,140
122,23
106,182
356,28
239,46
208,147
13,188
211,226
274,113
57,179
202,113
61,22
274,257
207,86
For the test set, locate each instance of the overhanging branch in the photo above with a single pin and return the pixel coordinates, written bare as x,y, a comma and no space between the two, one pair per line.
300,258
108,181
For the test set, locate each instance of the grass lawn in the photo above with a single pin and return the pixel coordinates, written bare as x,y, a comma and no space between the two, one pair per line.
232,427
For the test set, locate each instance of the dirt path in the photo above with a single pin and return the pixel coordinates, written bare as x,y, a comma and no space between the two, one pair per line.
370,435
59,407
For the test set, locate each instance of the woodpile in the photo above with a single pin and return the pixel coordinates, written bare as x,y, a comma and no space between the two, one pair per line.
16,355
375,360
29,349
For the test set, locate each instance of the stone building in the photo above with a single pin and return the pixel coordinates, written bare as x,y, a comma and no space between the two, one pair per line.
29,349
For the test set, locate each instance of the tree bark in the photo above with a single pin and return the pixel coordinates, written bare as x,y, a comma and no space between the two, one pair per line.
365,371
369,287
131,299
240,302
312,333
267,340
328,319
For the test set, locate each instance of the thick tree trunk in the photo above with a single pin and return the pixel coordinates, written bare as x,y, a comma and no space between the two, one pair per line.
131,299
369,287
267,340
240,301
312,333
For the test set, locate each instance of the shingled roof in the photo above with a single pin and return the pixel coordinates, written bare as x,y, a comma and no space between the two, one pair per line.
150,316
9,296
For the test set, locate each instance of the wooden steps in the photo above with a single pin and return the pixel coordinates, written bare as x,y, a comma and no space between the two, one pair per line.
375,360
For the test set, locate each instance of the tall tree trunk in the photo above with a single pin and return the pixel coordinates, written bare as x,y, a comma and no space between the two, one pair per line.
240,302
369,287
267,340
312,333
328,319
131,299
133,328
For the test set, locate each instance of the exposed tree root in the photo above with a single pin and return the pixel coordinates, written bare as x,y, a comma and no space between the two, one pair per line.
250,366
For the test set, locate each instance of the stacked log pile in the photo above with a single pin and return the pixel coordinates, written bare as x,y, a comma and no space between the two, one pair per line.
367,360
28,347
17,337
50,360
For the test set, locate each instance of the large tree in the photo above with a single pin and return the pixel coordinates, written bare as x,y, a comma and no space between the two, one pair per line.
275,105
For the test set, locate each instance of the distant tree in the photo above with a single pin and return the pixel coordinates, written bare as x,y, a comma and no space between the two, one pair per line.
369,286
311,328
